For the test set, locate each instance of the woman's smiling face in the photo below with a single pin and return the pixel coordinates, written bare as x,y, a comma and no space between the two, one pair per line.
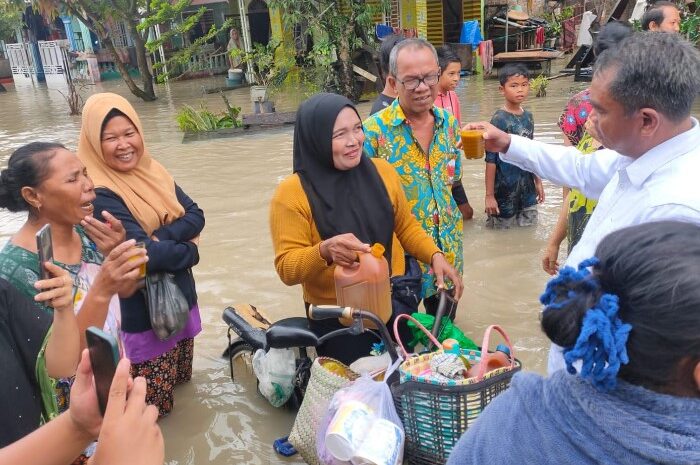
122,145
348,140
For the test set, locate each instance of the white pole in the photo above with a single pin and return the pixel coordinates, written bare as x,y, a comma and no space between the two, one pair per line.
246,36
162,53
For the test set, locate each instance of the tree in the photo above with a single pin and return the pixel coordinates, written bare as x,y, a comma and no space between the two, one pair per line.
98,15
163,12
339,30
10,19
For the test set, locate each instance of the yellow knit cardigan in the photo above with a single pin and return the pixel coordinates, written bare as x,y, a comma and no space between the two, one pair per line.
296,240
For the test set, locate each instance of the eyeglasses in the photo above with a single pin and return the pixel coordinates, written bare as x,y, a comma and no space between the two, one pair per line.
412,83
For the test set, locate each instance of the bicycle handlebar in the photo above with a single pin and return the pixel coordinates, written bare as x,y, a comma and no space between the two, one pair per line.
326,312
323,312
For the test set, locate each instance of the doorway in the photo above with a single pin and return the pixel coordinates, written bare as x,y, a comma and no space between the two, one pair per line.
259,22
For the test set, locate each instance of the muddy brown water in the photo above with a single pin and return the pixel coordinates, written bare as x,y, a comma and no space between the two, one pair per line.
220,422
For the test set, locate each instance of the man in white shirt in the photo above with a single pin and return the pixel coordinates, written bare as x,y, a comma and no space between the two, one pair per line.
642,92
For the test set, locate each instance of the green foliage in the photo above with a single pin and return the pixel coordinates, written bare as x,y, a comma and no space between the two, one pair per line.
97,15
338,28
690,24
538,85
566,13
554,21
268,67
166,12
10,19
554,27
190,119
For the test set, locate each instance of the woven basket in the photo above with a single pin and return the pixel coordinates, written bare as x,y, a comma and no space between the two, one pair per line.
319,392
436,413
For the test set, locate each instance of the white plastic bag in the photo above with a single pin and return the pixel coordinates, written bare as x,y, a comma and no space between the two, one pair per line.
275,371
361,426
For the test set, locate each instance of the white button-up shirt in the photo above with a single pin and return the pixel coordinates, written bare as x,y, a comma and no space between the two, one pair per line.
662,184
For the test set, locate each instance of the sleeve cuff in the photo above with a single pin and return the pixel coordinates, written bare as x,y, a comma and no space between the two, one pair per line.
515,149
318,261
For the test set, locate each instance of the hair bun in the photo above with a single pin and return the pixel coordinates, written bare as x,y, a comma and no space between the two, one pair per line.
10,197
567,298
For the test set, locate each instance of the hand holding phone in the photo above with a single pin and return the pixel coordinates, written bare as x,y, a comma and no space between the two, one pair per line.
44,248
104,357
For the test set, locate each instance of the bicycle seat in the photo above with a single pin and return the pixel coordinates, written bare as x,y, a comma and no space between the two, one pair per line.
291,332
253,336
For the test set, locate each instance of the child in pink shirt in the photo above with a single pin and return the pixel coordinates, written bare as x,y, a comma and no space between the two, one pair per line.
450,67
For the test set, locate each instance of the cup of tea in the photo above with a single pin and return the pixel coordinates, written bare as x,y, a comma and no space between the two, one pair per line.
142,267
473,143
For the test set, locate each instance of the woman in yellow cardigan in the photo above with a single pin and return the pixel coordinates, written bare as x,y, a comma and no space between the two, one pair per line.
335,205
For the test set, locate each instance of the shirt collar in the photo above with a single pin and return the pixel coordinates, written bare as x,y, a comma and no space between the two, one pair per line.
640,169
398,117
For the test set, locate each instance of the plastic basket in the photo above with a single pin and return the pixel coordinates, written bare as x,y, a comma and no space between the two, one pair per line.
435,415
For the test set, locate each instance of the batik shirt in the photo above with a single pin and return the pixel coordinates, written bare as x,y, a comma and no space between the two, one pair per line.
427,179
513,188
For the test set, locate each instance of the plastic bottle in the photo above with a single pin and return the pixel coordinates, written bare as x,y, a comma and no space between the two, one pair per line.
498,359
366,286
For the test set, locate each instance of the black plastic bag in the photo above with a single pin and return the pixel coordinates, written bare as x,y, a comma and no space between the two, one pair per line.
405,296
167,305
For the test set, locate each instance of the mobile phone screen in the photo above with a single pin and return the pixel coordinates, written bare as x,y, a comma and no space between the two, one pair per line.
44,249
104,356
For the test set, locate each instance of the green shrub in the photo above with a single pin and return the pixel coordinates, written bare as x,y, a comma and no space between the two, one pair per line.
539,85
190,119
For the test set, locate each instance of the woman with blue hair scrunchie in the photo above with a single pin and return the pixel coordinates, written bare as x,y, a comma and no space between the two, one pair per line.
631,316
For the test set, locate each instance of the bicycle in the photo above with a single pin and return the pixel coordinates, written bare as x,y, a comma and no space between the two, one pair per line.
256,332
291,333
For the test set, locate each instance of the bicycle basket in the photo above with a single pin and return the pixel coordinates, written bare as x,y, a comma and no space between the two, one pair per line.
435,413
435,416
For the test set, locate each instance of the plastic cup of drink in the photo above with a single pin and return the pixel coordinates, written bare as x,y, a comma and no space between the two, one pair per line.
473,143
347,429
142,267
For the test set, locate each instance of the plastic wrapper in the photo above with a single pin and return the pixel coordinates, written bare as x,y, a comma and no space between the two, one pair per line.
275,371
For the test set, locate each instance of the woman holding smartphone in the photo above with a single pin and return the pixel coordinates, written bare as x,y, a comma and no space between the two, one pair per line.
139,191
51,184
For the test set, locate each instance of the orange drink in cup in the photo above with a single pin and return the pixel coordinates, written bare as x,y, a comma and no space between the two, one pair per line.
473,143
142,267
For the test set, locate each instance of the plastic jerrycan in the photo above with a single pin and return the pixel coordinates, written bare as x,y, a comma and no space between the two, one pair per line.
495,360
366,286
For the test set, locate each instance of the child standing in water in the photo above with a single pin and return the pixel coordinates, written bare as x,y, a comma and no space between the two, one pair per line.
512,194
450,68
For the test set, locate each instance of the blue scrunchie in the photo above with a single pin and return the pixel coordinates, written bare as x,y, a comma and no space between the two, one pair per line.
601,344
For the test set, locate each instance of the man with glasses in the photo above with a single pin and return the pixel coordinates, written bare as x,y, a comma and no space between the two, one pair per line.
419,140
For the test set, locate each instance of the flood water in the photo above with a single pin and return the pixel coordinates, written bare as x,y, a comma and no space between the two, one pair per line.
219,422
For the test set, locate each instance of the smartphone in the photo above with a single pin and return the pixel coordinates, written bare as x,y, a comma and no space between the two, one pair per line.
44,248
104,357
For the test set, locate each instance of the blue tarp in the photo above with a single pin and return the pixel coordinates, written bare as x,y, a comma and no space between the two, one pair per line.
471,34
383,30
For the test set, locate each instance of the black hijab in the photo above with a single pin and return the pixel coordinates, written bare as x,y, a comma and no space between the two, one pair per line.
352,201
